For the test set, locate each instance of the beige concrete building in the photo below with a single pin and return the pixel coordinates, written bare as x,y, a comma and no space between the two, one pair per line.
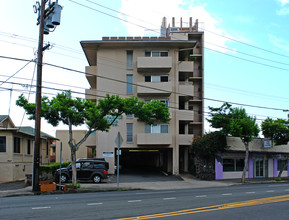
84,150
16,150
169,68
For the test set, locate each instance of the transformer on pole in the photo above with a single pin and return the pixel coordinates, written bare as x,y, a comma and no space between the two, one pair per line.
53,12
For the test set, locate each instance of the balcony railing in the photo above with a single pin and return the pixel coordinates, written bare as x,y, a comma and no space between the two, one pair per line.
150,88
154,139
145,64
186,66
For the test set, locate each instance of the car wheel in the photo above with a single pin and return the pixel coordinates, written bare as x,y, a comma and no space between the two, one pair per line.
63,178
96,179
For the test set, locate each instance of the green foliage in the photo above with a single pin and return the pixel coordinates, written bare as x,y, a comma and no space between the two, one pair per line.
234,122
76,111
209,146
277,179
52,167
77,185
277,130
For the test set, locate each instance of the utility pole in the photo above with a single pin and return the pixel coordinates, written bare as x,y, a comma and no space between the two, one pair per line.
45,21
36,155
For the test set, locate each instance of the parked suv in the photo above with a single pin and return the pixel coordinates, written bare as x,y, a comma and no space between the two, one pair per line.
87,169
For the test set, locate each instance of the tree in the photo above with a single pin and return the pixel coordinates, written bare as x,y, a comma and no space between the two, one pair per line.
235,122
76,111
209,145
278,131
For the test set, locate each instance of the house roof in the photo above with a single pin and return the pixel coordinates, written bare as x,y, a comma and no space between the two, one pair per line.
3,117
31,131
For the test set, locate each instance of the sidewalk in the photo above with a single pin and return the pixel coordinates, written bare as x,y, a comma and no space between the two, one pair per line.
183,182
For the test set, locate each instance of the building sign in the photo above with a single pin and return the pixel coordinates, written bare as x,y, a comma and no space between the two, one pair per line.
107,154
111,118
267,143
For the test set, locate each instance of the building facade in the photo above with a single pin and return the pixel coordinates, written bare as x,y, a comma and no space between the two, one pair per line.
265,160
16,150
169,68
84,151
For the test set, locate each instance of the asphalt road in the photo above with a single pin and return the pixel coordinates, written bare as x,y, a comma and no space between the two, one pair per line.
256,201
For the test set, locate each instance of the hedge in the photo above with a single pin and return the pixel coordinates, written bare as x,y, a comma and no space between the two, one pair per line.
52,167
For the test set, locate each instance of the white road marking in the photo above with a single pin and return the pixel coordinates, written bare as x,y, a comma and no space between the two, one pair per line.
45,207
148,193
250,192
169,198
98,203
227,194
286,189
270,191
134,201
201,196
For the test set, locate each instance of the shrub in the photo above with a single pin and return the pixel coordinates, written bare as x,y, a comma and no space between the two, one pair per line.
52,167
277,179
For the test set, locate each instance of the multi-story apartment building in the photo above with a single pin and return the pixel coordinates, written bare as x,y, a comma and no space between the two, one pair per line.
168,68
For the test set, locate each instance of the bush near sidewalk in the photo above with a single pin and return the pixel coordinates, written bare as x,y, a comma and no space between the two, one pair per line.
47,171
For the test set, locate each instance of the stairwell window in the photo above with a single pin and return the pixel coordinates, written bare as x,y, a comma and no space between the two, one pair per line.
129,59
129,132
129,86
2,144
157,129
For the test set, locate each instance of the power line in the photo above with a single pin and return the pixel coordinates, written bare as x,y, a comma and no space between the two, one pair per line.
116,80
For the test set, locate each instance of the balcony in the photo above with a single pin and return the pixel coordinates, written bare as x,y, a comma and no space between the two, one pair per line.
153,88
154,139
91,72
185,139
185,115
186,88
186,66
147,64
90,94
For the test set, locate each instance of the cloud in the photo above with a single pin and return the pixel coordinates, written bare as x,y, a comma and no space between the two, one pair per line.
283,2
148,18
283,11
279,42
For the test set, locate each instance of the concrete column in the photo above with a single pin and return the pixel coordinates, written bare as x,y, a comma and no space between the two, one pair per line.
176,160
251,168
186,159
218,170
275,167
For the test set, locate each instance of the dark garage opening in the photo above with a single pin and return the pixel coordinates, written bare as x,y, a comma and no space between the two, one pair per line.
145,160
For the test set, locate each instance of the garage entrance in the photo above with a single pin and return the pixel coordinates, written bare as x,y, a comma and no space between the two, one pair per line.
144,160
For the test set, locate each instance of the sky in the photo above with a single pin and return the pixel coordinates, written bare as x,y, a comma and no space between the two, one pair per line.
246,49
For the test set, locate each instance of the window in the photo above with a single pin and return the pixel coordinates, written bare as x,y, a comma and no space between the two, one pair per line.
28,146
281,164
129,116
157,78
161,100
16,145
2,144
233,165
156,129
129,59
156,53
129,82
129,132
